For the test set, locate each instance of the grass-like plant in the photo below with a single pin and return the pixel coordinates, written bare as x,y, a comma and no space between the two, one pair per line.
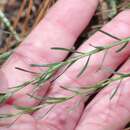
52,68
47,75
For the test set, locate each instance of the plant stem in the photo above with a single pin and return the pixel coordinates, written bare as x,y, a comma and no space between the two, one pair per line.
9,26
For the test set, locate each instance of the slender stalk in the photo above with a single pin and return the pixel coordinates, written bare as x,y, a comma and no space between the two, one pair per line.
5,55
9,26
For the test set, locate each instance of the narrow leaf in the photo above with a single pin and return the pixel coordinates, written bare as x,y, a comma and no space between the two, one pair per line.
5,55
45,114
97,47
110,35
66,49
122,47
55,100
51,100
104,57
64,70
37,97
4,97
115,91
113,71
6,115
45,65
24,109
69,89
24,70
85,66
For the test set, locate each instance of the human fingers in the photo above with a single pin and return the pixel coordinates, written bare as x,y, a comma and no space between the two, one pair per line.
60,27
67,119
103,113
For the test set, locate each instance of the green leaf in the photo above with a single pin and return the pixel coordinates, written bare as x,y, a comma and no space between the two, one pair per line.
113,4
36,97
66,49
24,70
25,109
8,115
70,89
5,55
85,66
115,91
55,100
48,73
45,65
104,57
19,87
113,71
97,47
110,35
4,97
64,70
122,47
7,23
51,100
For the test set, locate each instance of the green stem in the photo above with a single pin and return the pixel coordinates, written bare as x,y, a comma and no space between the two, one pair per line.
9,26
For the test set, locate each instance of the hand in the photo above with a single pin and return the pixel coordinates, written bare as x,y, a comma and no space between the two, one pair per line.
60,28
